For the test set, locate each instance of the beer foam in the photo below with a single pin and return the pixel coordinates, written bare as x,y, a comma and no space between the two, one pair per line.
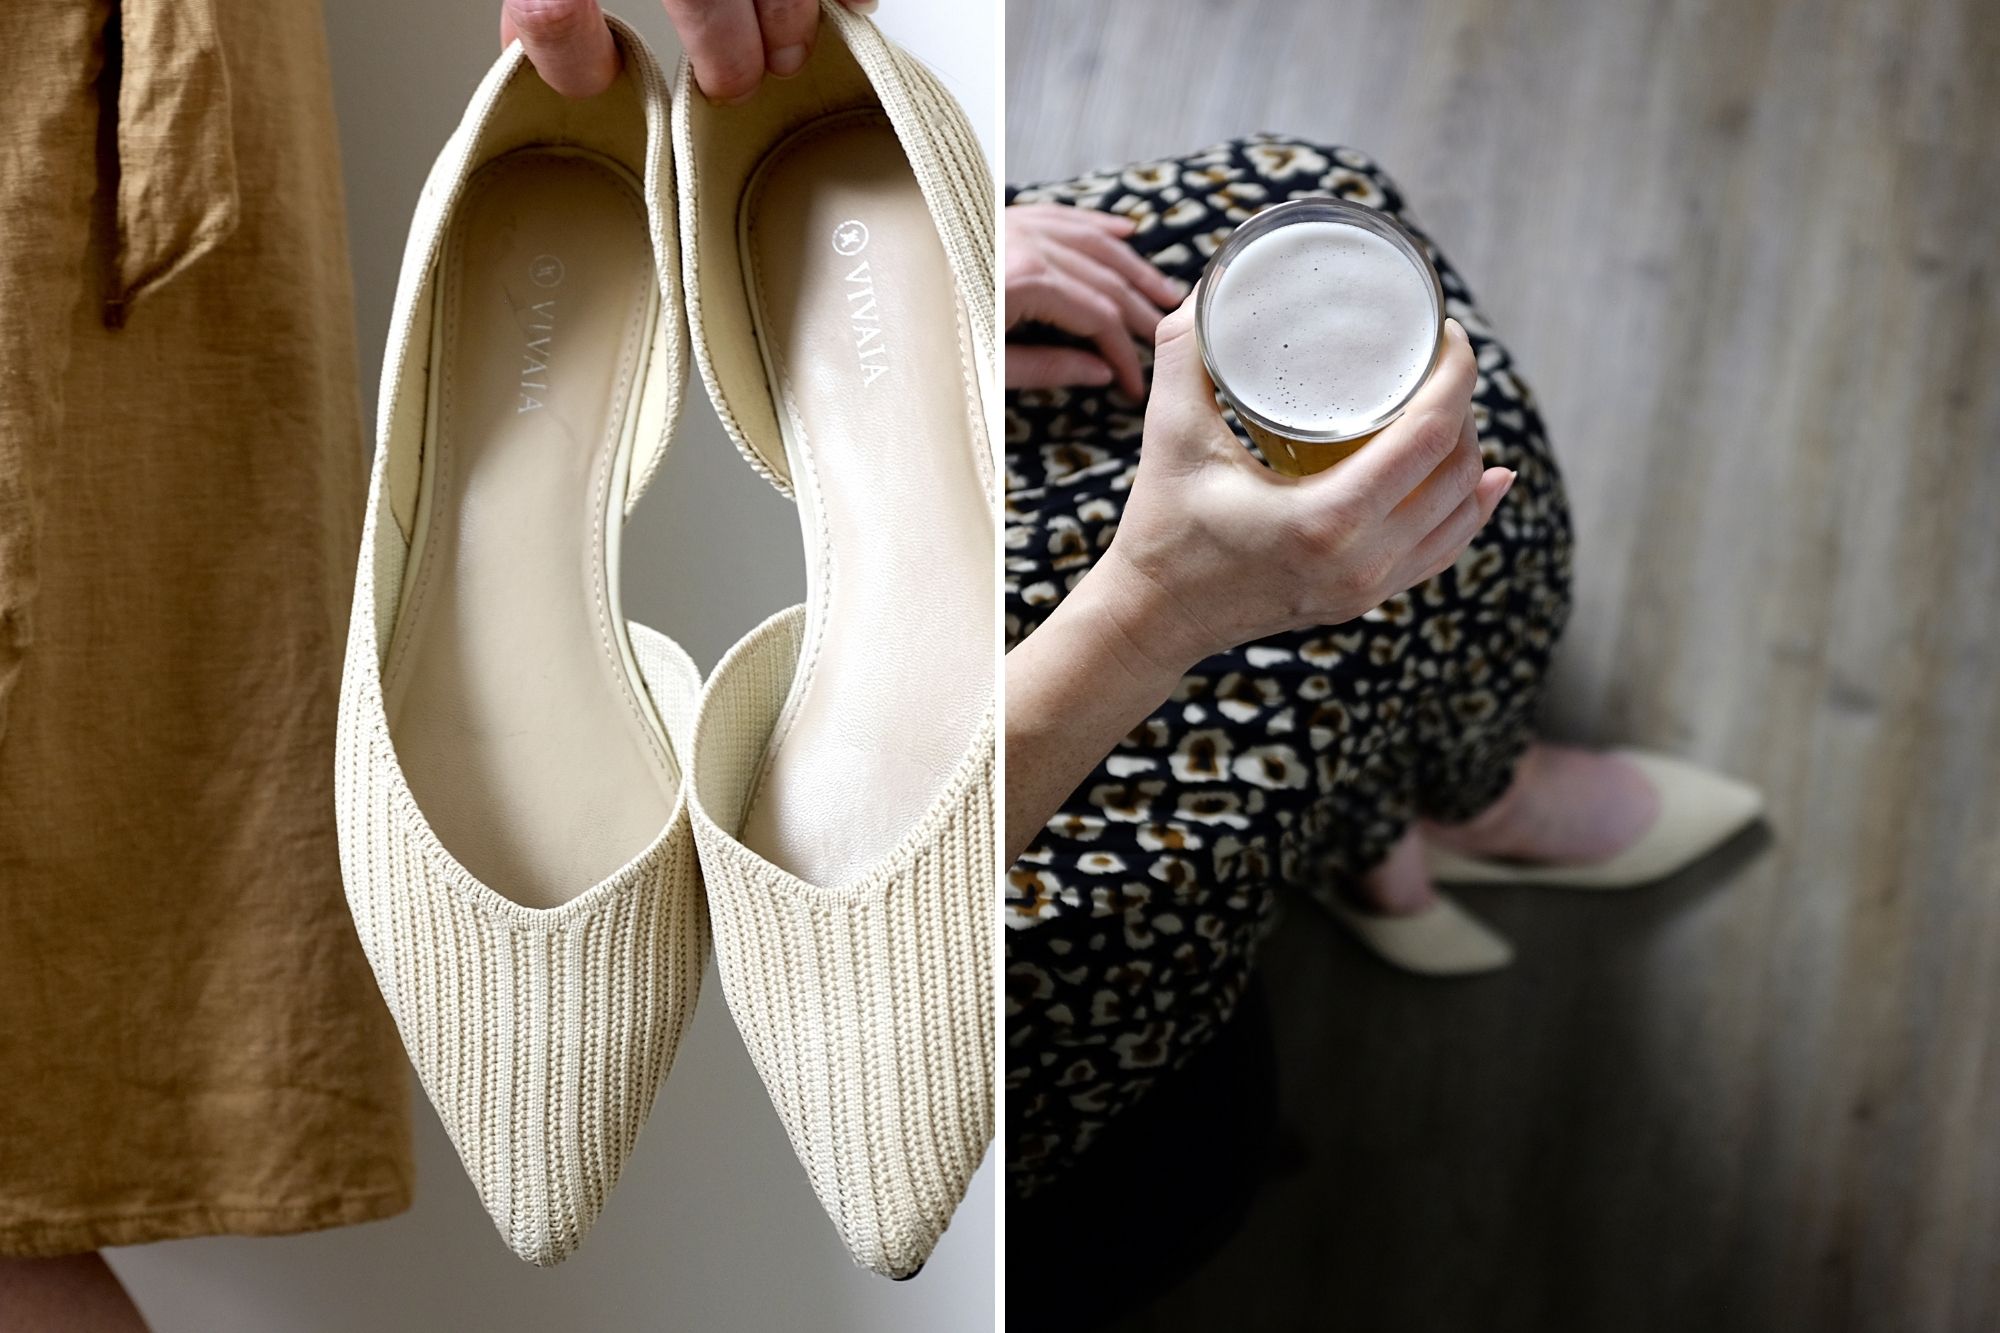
1321,327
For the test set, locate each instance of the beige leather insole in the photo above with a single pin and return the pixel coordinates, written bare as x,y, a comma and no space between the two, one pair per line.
864,341
528,743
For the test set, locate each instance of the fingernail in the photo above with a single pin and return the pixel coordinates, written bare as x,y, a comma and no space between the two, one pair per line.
1512,476
1178,288
863,6
788,60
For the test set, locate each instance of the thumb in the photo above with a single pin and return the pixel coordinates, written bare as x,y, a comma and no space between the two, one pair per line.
566,41
1181,413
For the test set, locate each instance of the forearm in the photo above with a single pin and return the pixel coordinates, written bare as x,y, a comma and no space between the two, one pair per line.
1075,687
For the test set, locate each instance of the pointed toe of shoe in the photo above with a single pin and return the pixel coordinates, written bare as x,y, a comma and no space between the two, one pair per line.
550,1194
541,1035
1443,940
867,1007
540,1042
1699,811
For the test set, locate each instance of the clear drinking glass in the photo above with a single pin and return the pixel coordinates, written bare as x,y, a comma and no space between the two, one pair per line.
1288,447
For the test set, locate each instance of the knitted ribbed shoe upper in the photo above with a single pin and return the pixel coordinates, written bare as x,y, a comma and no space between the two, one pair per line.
867,1007
540,1034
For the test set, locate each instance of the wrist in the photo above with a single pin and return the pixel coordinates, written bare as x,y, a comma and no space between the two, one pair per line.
1152,630
1076,686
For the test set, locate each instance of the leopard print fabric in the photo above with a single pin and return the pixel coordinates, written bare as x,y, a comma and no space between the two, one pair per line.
1135,915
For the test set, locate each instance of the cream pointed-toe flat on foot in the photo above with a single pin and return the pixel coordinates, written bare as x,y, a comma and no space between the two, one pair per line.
1443,940
837,235
1699,811
514,831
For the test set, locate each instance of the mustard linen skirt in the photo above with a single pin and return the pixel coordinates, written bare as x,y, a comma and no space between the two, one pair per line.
190,1041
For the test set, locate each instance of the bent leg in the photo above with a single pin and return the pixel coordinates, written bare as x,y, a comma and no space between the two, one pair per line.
1135,915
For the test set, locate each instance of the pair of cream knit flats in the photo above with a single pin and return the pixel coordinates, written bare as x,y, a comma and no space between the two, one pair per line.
543,814
1699,811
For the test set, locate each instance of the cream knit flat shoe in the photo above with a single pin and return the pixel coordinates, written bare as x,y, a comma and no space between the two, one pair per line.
513,825
1443,940
1699,811
838,252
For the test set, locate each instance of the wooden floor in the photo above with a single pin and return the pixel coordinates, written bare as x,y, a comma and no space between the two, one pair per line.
1749,255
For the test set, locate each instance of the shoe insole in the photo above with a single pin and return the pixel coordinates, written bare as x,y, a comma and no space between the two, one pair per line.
865,345
513,703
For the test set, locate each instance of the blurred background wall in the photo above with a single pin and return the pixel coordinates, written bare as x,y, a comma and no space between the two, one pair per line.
714,1226
1748,255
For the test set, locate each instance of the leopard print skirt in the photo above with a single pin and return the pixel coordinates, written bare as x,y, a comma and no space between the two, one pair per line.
1134,917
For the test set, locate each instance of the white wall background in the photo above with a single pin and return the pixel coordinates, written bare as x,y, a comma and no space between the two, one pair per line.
713,1226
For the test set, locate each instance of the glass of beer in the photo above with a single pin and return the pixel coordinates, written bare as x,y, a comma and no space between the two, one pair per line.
1318,320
